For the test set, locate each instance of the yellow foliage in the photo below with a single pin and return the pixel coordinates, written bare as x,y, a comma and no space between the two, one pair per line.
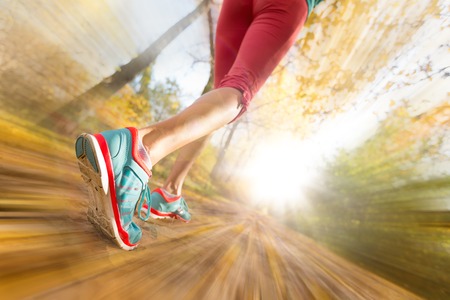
339,54
126,108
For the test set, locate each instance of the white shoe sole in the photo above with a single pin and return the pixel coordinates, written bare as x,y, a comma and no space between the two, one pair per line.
100,212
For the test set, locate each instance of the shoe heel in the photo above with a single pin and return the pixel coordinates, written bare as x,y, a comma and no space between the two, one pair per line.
87,163
99,212
83,149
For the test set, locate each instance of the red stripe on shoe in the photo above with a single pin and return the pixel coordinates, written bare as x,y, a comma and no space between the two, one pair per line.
112,189
165,196
161,214
135,153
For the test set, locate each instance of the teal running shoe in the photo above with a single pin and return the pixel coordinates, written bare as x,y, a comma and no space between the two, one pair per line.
116,169
165,206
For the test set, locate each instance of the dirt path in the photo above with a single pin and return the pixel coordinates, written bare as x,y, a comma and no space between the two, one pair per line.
50,251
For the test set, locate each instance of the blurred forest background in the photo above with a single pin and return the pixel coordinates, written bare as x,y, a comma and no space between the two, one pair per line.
357,116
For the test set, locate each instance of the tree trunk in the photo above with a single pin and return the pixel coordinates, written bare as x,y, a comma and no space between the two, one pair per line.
210,84
67,118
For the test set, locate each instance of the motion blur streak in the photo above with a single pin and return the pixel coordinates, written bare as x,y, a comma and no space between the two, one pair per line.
50,251
368,81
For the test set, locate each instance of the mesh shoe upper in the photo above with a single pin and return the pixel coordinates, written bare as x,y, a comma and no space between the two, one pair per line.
130,178
166,205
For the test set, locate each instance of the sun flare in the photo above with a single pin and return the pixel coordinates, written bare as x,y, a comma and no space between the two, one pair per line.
279,171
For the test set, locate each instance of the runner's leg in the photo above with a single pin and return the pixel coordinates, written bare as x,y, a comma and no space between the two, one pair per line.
271,33
234,21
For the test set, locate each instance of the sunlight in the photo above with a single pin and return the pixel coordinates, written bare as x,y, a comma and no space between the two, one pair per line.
279,171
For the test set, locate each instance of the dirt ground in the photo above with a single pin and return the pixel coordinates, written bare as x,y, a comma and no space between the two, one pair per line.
50,251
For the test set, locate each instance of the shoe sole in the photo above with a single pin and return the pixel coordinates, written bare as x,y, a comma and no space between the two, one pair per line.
94,171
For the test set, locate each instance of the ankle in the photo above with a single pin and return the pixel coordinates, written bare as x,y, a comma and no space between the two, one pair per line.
172,188
144,154
149,137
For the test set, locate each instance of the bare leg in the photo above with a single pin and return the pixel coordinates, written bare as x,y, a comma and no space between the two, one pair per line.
209,113
226,50
184,162
251,39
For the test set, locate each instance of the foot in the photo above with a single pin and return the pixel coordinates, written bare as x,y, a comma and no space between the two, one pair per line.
165,205
116,172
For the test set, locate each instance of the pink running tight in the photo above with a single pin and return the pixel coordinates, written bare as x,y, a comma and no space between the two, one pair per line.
251,39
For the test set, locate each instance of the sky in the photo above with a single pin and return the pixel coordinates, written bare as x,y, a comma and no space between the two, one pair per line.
190,67
186,58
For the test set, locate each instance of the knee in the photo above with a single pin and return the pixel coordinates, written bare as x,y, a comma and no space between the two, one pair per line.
286,17
296,13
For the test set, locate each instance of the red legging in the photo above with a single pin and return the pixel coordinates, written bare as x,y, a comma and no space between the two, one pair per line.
251,39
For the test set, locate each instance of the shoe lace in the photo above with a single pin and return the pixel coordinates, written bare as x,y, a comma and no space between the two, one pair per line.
145,198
